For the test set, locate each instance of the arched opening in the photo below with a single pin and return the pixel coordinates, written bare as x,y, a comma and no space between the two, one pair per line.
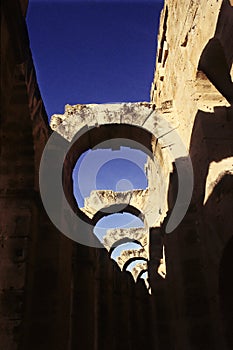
139,269
117,209
144,275
130,253
133,259
123,247
114,137
118,220
117,170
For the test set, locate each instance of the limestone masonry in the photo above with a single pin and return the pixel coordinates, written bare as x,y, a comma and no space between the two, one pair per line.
58,294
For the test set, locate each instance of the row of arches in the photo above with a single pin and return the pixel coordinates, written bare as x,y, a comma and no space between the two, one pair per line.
136,126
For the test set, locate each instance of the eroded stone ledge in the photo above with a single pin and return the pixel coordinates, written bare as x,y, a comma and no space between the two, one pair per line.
129,254
135,234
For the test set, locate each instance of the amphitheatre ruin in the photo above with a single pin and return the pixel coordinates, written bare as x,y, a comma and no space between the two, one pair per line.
58,289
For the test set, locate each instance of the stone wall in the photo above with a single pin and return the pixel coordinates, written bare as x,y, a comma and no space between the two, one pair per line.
34,274
193,88
56,294
179,87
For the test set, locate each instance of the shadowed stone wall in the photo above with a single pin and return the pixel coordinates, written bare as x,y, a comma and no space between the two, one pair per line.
193,87
35,259
56,294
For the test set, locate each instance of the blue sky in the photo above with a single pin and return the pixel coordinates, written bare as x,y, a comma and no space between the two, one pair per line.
111,170
93,51
124,220
96,52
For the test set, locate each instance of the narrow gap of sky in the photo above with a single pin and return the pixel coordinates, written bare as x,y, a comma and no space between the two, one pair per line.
125,246
124,220
110,170
93,51
96,52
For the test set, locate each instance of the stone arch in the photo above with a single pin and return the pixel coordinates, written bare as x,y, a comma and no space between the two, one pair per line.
141,273
116,208
117,236
128,254
139,268
123,241
94,136
84,126
130,260
138,122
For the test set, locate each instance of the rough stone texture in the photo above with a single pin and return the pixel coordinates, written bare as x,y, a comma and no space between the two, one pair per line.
130,254
102,199
179,89
54,294
85,122
34,271
23,125
193,88
78,116
151,134
139,199
59,295
193,92
163,147
216,172
134,234
138,269
137,125
115,237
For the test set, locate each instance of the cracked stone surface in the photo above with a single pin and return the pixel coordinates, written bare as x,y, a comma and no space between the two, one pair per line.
141,235
165,146
101,199
179,88
128,254
171,122
143,200
137,269
114,235
43,281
